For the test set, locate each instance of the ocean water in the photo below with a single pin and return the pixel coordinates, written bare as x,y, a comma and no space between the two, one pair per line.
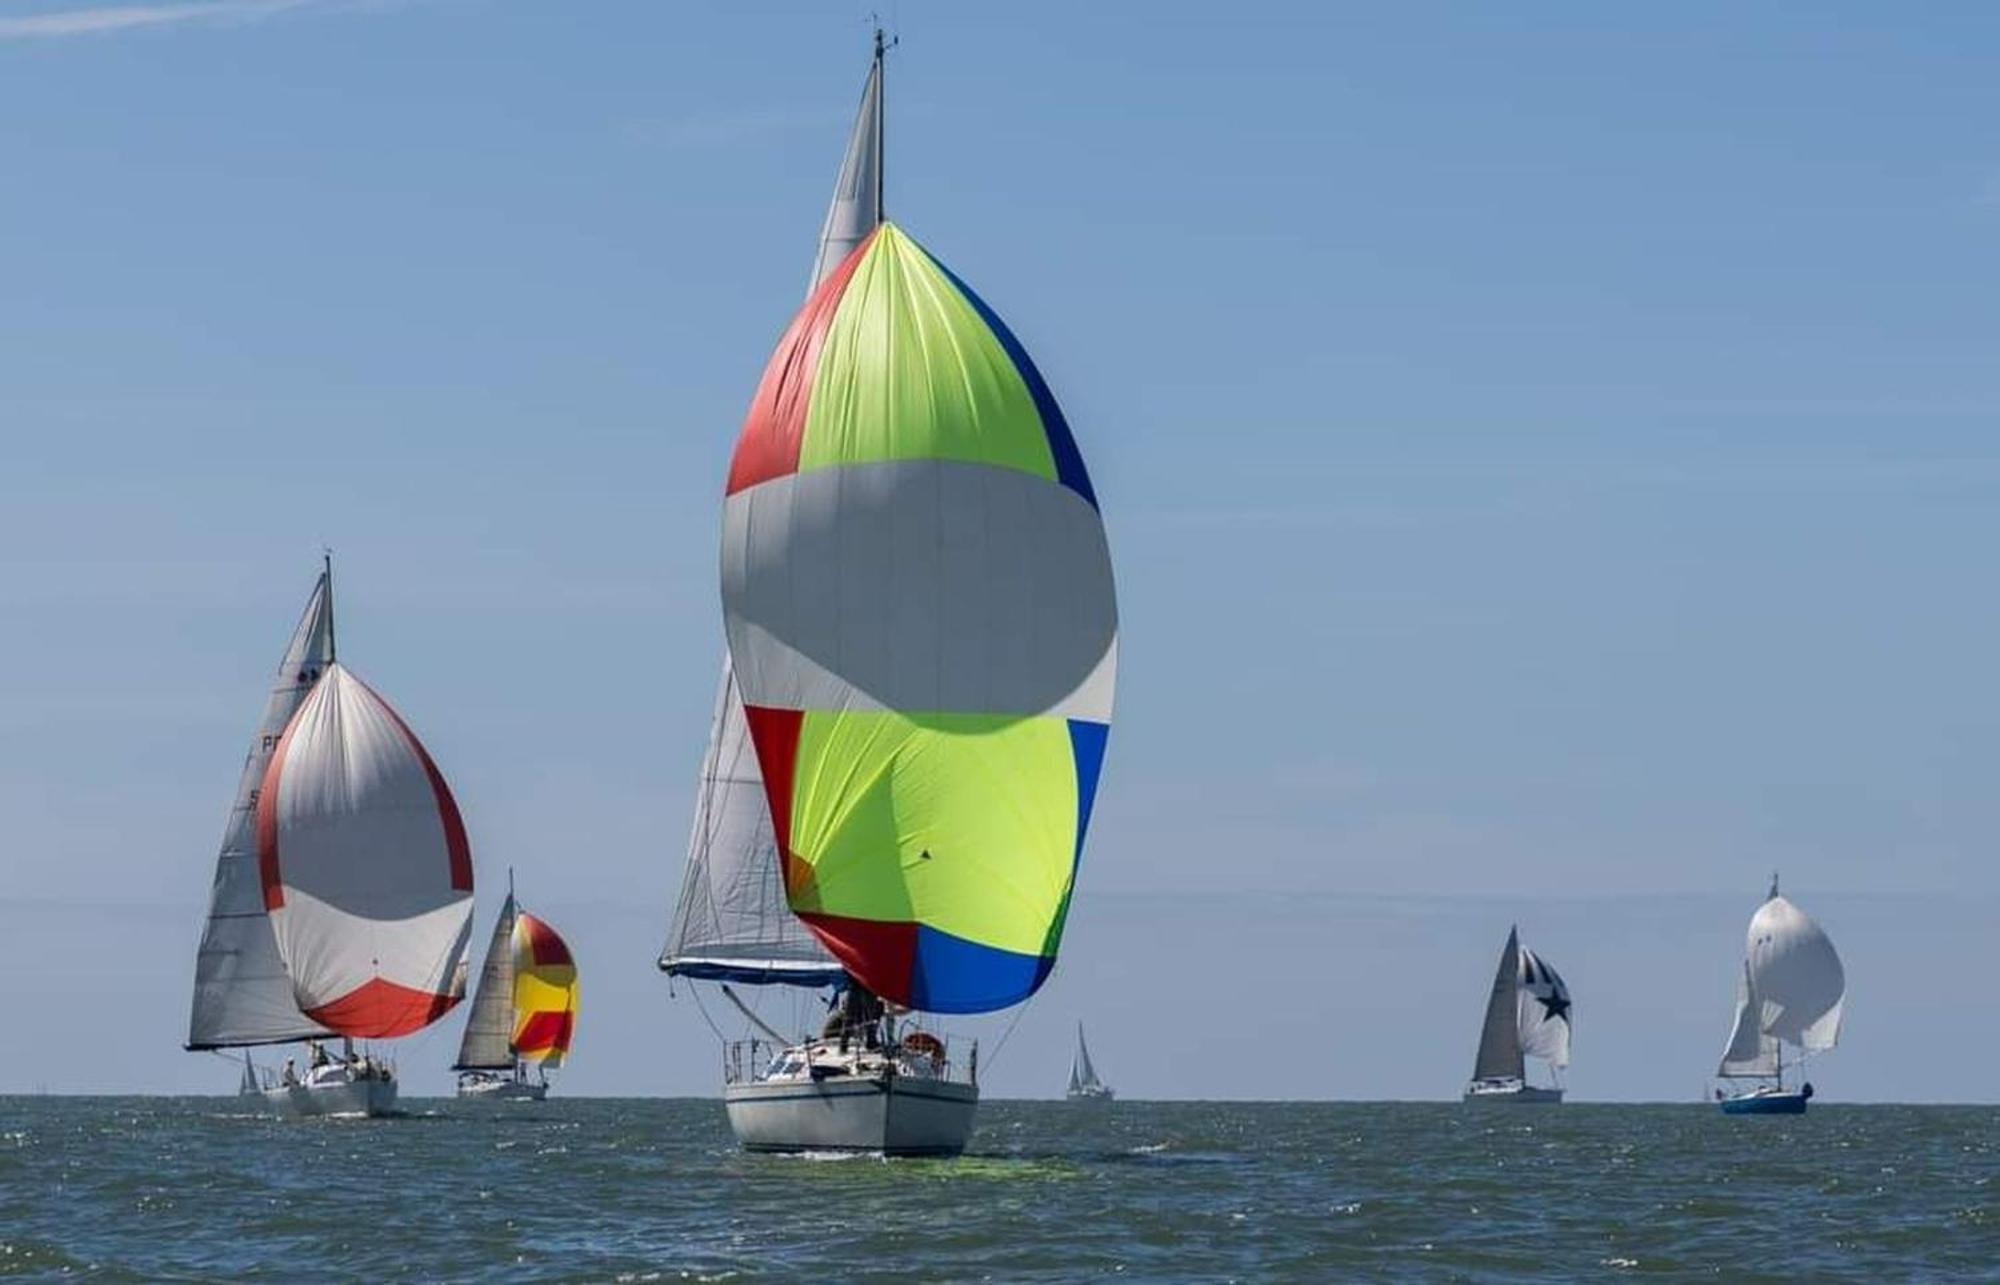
644,1190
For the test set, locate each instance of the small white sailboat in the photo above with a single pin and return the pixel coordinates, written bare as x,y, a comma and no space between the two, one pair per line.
1084,1084
343,890
523,1012
1793,992
1527,1015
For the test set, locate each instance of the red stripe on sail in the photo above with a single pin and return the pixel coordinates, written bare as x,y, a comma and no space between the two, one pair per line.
267,817
455,841
882,956
548,950
379,1009
545,1030
775,733
768,446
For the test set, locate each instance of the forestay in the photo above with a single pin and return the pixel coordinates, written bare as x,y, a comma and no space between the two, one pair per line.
366,870
242,994
919,601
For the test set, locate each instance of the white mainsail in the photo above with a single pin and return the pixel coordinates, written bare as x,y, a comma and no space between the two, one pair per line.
242,994
1082,1075
488,1044
731,922
1794,989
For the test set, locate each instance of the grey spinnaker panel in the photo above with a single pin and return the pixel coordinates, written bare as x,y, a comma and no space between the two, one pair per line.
242,993
1499,1036
488,1044
731,922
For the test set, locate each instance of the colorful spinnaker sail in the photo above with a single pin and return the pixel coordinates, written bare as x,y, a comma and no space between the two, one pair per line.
921,618
544,992
366,870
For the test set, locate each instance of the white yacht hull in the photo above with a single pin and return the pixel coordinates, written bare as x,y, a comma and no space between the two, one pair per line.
370,1097
502,1090
894,1115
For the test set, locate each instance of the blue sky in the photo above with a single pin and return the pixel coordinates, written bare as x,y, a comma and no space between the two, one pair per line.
1549,456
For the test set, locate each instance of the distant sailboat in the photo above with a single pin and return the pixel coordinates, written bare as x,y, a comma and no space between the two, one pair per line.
343,891
928,713
523,1012
1793,991
1084,1084
1527,1015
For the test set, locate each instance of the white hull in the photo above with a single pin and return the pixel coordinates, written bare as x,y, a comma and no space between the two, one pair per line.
502,1090
894,1115
351,1098
1520,1094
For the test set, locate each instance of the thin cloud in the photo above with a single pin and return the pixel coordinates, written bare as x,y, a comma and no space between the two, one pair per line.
104,19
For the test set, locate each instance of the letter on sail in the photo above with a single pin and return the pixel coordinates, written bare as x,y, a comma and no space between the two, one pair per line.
544,993
366,871
921,615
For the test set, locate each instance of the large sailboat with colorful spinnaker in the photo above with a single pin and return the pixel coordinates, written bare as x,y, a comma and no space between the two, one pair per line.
922,627
342,896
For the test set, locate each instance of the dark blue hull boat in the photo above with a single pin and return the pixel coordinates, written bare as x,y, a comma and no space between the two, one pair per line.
1769,1102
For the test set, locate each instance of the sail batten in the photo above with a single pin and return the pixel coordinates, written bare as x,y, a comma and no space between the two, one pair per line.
242,994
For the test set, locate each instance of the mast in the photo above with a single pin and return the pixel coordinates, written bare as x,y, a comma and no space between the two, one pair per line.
326,565
881,121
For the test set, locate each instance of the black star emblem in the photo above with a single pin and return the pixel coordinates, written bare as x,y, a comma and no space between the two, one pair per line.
1553,1006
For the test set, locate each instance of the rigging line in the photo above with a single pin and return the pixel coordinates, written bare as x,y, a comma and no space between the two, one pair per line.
702,1008
1006,1035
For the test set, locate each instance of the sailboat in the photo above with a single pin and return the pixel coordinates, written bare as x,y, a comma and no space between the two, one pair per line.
1793,991
1084,1086
922,631
342,897
1527,1015
523,1014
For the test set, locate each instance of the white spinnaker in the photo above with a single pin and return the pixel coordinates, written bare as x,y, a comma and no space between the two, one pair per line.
1543,1011
731,921
366,868
488,1043
1795,975
1750,1051
242,994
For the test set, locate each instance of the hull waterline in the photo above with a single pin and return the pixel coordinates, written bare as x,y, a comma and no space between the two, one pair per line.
369,1097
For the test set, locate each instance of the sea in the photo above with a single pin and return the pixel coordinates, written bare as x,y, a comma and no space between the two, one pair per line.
196,1189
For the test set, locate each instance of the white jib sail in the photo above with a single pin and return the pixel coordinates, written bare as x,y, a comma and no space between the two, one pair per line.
731,921
242,994
1750,1052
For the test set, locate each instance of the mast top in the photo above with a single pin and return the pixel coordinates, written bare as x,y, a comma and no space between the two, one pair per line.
326,570
1774,886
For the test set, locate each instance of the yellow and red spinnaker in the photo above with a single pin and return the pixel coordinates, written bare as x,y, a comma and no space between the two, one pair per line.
544,993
